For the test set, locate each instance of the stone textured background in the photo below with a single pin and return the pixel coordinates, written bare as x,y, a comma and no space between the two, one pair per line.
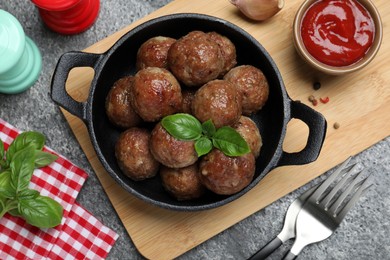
364,234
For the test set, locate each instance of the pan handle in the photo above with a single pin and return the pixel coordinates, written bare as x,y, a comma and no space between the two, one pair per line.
317,131
67,62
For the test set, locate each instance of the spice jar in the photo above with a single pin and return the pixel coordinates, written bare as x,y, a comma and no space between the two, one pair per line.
68,16
21,61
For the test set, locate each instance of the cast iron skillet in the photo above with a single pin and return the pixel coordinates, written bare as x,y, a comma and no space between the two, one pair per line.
120,61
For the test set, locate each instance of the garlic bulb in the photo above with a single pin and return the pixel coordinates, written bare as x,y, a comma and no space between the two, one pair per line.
258,10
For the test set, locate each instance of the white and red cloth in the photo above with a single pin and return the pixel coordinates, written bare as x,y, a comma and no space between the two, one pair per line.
79,236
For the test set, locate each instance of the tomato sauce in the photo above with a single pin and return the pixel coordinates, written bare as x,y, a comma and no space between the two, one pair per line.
337,32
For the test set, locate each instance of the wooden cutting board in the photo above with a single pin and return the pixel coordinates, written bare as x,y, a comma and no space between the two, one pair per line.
359,102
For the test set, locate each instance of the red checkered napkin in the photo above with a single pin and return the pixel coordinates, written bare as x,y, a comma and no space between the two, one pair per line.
80,235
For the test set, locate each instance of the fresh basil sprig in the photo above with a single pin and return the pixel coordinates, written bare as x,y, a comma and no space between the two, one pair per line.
186,127
17,165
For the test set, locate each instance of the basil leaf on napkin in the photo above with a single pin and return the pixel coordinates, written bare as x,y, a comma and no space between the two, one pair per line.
35,139
6,190
2,151
22,168
43,159
41,211
17,166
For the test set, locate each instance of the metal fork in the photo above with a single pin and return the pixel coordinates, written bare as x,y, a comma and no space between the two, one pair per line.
324,210
288,230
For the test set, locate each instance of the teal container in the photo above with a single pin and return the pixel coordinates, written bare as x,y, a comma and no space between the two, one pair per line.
20,59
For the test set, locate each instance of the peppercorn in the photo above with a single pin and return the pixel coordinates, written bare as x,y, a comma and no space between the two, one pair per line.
316,85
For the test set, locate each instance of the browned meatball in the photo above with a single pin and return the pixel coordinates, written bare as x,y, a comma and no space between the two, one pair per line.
118,106
219,101
155,93
228,51
226,175
169,151
188,96
133,154
182,183
250,132
154,52
195,59
253,86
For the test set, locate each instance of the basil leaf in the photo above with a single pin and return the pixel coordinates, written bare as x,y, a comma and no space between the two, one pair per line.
42,212
208,128
43,158
6,189
14,212
7,205
2,150
3,201
28,194
35,139
230,142
182,126
203,146
3,164
22,167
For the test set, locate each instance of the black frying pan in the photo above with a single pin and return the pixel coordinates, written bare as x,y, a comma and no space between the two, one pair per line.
119,61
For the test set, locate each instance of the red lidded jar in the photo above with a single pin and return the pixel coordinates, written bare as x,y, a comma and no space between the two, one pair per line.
68,16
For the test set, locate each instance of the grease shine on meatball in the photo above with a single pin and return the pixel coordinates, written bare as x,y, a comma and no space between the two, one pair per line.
195,59
155,93
228,51
182,183
170,151
219,101
226,175
133,154
154,52
253,86
118,107
250,132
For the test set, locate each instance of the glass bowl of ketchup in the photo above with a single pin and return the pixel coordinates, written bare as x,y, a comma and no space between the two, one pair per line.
337,36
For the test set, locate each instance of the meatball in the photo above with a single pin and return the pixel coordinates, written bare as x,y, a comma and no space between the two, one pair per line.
118,107
170,151
228,51
250,132
195,59
253,86
155,93
188,96
154,52
219,101
133,154
226,175
182,183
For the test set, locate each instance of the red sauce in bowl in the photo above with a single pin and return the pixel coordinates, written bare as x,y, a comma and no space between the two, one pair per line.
337,32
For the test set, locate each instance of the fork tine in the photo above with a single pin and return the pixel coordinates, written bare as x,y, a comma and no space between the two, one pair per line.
349,190
360,192
321,189
329,197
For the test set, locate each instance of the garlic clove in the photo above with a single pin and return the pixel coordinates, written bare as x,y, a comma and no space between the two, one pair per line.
258,10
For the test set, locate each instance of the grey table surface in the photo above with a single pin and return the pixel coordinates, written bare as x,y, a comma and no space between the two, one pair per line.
364,234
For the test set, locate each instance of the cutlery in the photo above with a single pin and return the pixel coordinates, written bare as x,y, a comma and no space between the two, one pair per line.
288,230
324,210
